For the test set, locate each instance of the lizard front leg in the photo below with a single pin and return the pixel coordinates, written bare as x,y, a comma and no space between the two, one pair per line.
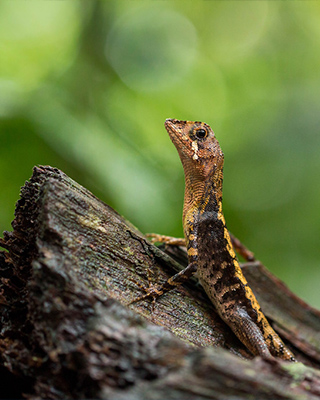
168,240
240,248
154,291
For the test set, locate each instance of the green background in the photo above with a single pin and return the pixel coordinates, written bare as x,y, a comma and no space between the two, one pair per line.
85,86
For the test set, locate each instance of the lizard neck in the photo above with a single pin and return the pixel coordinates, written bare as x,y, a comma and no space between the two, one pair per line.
202,194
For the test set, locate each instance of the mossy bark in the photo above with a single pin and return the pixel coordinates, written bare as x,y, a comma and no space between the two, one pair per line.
71,267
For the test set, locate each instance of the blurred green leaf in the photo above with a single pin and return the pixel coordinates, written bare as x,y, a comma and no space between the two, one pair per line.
86,87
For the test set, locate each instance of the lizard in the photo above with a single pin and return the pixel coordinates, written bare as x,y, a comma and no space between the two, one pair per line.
209,245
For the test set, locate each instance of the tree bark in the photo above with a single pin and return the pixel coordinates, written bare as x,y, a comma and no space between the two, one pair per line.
69,270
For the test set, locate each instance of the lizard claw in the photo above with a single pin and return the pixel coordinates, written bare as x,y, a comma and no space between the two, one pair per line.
151,291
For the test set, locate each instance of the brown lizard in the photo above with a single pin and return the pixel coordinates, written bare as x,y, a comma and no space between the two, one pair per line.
208,242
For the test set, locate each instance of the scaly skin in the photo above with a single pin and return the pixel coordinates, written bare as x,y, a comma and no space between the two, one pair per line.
209,246
210,251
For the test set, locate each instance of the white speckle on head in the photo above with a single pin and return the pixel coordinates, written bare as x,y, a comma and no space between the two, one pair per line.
185,136
194,146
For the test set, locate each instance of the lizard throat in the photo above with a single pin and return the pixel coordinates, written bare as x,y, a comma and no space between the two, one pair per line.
201,195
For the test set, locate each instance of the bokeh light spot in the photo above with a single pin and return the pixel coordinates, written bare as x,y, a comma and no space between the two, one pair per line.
152,50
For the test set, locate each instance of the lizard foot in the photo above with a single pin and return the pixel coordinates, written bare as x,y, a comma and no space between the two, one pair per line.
155,291
151,291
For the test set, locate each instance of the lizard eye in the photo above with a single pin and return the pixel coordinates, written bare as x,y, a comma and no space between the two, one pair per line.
200,133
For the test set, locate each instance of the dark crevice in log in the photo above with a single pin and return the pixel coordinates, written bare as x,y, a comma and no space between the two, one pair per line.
69,269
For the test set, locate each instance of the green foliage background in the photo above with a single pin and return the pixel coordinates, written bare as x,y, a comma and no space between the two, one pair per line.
86,86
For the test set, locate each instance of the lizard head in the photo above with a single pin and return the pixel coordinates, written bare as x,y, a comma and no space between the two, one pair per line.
202,161
198,148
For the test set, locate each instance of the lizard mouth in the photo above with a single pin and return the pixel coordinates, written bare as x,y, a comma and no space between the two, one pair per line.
174,127
170,124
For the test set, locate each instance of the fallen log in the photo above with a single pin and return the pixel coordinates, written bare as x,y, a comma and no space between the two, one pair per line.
69,270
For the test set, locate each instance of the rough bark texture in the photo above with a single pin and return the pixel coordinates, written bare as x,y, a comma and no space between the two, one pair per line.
68,271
